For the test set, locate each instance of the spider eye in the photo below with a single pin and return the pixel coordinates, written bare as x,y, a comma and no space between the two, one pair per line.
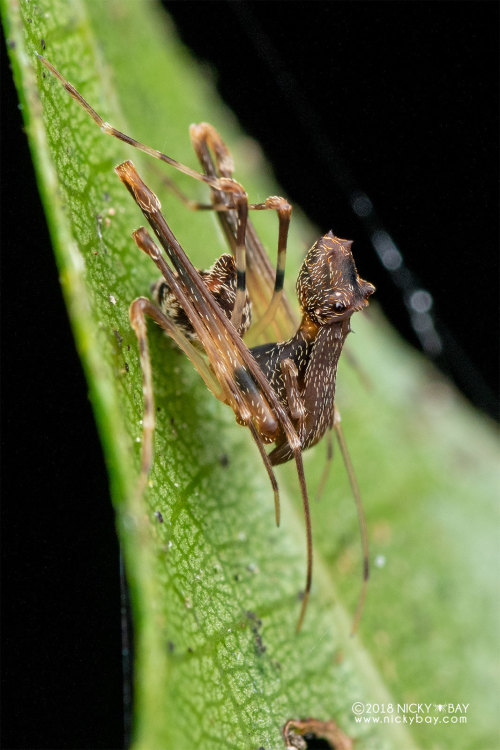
338,307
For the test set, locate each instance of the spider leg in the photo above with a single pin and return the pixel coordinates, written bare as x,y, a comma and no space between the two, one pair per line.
284,211
328,465
297,453
110,130
298,414
361,515
295,403
238,389
192,205
269,469
205,138
139,309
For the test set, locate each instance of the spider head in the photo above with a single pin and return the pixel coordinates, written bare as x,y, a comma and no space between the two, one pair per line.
328,286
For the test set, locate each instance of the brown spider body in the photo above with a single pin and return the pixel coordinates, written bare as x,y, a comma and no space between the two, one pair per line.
330,291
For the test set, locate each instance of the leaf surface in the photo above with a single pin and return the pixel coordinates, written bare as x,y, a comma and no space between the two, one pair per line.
215,585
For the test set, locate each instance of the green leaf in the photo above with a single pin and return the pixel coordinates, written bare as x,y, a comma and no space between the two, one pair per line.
214,586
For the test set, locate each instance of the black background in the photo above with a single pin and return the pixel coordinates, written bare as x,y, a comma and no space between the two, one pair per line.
397,99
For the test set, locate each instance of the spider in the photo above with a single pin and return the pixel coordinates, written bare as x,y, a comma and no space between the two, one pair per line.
283,391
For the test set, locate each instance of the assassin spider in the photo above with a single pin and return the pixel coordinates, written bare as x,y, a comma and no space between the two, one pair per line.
284,392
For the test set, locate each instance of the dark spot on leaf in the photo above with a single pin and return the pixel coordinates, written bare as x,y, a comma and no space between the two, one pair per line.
171,646
313,743
42,43
261,648
258,641
315,734
159,516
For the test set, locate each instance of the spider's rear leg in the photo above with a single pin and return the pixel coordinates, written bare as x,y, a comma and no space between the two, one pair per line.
361,514
297,411
328,464
139,310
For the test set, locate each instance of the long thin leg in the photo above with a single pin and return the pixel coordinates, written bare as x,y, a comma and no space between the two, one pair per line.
138,321
192,205
328,465
298,414
309,542
139,309
284,211
269,469
240,257
205,138
361,516
110,130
